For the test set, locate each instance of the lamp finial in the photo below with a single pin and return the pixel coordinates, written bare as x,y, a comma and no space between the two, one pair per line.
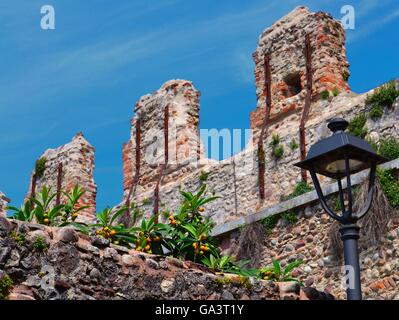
337,125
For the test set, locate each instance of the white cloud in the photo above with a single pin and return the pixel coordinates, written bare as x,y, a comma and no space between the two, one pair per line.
371,26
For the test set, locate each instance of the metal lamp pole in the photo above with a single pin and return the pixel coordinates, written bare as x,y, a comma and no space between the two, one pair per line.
338,157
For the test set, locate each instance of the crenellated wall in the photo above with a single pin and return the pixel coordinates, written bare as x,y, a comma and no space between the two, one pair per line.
4,201
164,129
77,160
298,58
237,180
285,42
164,151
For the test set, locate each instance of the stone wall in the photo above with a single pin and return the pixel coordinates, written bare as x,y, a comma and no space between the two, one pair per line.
164,129
285,42
309,240
77,159
4,201
73,266
236,180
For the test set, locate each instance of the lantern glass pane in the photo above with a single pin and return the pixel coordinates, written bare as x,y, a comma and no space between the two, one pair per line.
338,166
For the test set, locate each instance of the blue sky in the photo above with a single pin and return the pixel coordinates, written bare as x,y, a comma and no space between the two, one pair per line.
87,74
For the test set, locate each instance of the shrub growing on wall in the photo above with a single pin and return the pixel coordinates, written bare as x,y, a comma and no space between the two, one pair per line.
325,95
376,112
389,148
390,186
40,166
384,96
356,126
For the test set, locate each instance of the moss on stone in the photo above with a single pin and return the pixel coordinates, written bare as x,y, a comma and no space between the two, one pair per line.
6,284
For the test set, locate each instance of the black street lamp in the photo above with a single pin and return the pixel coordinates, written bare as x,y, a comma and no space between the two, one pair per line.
337,157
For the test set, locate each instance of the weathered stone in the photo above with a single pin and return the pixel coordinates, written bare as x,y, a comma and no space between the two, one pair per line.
4,201
5,226
309,281
300,243
167,285
64,256
307,269
4,254
227,295
176,262
328,273
95,273
61,285
67,234
289,287
99,242
110,253
13,260
375,257
289,248
163,265
308,212
77,159
152,264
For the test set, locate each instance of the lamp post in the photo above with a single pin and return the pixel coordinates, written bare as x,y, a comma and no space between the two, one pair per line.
338,157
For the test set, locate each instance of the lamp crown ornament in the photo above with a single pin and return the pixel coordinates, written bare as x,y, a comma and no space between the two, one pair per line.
337,125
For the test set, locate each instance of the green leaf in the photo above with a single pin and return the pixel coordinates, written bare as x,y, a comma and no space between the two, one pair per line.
188,195
291,266
191,230
117,214
206,200
56,211
276,267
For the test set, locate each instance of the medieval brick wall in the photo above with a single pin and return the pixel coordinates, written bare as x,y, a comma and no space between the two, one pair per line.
77,159
4,201
236,180
164,149
284,41
164,139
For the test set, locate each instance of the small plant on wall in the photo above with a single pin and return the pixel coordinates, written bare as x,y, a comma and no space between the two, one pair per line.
40,167
356,126
275,272
389,148
384,96
270,222
277,147
376,112
325,95
289,217
345,76
294,144
146,202
19,238
390,186
300,188
203,177
108,229
39,244
6,285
